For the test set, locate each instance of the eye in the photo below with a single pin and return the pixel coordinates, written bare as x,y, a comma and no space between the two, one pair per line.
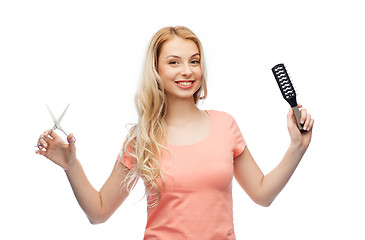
173,62
195,62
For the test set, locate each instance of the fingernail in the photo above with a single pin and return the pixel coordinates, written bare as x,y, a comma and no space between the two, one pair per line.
302,122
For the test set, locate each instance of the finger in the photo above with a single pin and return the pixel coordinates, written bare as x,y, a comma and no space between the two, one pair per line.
41,152
71,139
47,132
53,134
311,124
307,122
303,113
42,142
43,139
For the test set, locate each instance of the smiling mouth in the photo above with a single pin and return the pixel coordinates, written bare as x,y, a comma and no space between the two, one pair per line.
184,83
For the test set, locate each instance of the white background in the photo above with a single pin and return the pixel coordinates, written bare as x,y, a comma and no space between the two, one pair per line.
90,54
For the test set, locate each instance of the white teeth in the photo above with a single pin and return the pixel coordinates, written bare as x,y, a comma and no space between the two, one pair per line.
185,83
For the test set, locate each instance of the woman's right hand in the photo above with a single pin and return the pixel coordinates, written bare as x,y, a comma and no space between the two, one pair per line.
57,150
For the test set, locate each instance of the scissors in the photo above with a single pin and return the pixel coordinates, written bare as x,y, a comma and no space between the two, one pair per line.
56,125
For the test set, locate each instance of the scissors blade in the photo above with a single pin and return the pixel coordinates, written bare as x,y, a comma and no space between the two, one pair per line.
52,115
63,114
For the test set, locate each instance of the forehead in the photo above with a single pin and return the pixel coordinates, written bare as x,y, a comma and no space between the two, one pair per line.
179,47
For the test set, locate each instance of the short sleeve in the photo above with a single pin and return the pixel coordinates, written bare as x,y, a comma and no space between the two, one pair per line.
239,142
126,159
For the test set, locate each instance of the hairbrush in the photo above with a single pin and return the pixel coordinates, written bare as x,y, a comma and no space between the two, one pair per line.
287,90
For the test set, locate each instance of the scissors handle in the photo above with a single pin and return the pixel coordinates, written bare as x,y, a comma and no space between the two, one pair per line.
39,144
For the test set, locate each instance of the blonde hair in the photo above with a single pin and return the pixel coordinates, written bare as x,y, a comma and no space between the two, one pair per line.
146,138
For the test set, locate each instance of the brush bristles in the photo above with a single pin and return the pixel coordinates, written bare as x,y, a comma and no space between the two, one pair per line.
283,80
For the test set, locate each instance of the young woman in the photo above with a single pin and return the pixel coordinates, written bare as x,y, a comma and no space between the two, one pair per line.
186,157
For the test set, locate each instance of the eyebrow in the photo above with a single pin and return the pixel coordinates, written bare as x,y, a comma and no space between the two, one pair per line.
175,56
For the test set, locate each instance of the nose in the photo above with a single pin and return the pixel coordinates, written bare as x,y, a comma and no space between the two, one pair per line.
186,71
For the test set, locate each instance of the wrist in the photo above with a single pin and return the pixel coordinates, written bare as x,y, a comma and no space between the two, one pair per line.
71,165
297,148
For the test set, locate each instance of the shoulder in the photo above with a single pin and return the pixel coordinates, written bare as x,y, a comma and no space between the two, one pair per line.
224,120
220,115
228,130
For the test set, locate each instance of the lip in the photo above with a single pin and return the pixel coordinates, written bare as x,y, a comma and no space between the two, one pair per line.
185,87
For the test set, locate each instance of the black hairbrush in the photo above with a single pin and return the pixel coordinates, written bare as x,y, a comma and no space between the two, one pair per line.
287,89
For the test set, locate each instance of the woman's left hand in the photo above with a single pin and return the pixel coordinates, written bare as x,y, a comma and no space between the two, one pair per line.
299,139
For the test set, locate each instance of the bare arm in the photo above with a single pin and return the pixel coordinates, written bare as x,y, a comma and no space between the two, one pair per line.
264,189
98,205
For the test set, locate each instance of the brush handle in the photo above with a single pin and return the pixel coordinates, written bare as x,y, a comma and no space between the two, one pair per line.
297,118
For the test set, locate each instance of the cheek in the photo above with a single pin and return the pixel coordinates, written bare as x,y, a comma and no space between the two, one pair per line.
198,74
161,72
165,73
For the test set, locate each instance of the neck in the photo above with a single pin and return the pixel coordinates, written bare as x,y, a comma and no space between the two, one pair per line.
180,111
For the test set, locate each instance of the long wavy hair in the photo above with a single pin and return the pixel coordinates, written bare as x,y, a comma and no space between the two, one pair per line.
145,140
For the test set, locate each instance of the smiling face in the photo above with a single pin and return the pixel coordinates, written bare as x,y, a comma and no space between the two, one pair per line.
179,68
